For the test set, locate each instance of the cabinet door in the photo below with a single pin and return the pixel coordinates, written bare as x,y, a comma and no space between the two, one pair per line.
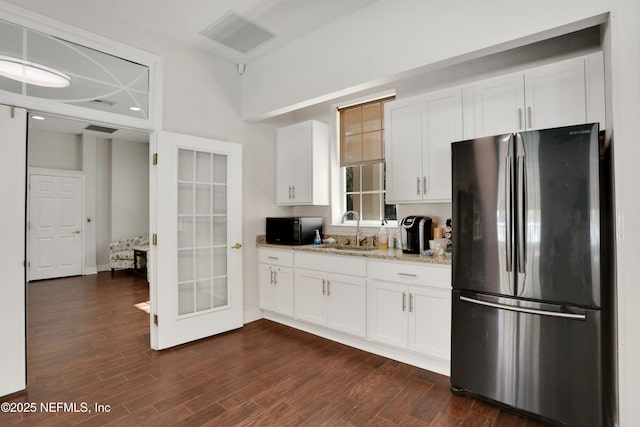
284,290
430,321
556,95
441,125
499,105
284,165
347,304
267,296
301,164
310,296
387,316
403,150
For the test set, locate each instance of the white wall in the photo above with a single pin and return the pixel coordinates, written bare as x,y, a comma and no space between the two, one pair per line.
129,189
54,150
410,35
102,218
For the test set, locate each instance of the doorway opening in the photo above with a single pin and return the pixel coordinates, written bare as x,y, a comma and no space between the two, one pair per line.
88,187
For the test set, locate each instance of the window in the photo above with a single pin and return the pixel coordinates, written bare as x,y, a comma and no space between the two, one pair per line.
362,161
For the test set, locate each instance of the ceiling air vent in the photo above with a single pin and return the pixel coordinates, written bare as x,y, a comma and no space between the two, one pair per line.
237,33
100,129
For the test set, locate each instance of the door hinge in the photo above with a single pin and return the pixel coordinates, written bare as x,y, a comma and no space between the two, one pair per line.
155,319
155,239
155,158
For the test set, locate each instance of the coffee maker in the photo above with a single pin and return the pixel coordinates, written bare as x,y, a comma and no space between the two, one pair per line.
415,233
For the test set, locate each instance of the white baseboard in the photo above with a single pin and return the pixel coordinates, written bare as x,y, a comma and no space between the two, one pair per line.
103,267
90,270
440,366
252,315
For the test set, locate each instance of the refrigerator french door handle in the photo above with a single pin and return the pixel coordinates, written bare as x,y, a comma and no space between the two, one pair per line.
508,210
525,310
521,214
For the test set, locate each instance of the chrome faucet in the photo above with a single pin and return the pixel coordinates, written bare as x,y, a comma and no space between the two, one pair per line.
357,216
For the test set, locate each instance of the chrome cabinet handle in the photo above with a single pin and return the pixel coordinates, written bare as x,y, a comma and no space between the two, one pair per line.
275,277
410,302
418,186
519,118
289,192
529,117
328,288
404,301
424,185
271,272
407,275
324,287
293,191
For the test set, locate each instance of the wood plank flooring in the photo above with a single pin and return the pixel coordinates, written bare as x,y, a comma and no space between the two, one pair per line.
89,344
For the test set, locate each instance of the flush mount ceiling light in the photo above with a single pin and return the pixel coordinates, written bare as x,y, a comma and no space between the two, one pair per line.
32,73
134,108
37,117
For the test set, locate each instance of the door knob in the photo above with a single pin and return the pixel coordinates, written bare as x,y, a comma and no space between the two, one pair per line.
237,246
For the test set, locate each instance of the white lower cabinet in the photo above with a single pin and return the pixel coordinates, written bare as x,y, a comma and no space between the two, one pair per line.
405,306
337,301
413,311
275,281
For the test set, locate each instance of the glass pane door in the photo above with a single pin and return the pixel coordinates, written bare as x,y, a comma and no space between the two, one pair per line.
202,232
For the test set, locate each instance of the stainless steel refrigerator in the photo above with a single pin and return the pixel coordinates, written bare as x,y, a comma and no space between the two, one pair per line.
527,307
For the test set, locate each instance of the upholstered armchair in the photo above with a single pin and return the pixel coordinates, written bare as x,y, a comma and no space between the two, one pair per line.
121,252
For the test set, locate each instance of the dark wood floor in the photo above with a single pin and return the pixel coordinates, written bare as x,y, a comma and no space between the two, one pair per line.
88,343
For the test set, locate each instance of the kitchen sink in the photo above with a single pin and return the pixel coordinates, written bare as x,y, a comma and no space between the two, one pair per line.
352,248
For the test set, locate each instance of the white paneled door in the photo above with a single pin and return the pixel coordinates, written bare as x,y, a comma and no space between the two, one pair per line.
55,226
198,287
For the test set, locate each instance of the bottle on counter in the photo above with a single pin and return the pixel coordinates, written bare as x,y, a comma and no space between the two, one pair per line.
382,237
317,240
391,240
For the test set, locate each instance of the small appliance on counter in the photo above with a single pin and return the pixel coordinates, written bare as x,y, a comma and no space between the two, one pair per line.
293,230
415,233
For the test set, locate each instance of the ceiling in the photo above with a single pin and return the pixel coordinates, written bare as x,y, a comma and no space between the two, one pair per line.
183,21
77,127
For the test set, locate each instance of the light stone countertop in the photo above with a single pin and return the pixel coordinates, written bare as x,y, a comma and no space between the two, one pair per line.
333,249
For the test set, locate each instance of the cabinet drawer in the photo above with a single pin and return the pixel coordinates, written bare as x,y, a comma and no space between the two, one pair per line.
275,257
334,264
412,273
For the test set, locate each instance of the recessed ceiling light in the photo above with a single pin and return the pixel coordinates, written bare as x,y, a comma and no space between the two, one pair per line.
32,73
37,117
134,108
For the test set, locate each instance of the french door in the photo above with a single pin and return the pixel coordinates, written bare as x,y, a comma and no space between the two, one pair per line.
13,163
198,281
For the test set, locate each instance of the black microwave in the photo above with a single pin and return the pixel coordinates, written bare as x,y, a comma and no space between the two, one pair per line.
293,230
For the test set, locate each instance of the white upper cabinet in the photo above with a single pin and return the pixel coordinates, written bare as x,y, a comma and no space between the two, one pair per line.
560,94
302,164
418,134
498,105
